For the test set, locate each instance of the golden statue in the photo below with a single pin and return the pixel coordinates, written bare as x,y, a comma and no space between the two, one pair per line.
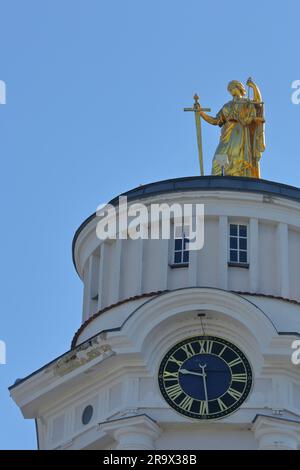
242,136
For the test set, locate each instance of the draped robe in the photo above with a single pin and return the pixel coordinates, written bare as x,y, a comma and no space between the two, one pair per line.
242,138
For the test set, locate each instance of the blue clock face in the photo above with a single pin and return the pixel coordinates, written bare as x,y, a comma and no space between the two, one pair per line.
205,377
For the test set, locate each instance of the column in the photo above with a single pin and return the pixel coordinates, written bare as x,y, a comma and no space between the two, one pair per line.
164,264
89,279
253,255
139,246
86,292
137,432
276,433
223,252
283,259
116,268
102,273
193,268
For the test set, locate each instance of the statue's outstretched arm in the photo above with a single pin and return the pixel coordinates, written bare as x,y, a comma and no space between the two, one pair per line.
215,121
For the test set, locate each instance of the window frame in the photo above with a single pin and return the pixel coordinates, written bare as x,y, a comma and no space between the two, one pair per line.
238,250
184,239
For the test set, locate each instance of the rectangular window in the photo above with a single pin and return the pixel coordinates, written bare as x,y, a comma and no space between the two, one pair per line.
238,243
181,252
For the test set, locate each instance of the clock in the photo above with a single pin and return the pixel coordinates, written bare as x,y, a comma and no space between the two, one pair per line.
205,377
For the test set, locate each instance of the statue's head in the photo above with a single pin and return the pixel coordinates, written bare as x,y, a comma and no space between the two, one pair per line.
236,88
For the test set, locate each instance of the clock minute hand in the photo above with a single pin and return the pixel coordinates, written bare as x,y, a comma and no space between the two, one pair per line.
204,382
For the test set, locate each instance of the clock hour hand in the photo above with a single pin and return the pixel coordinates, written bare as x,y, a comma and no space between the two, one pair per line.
185,371
201,374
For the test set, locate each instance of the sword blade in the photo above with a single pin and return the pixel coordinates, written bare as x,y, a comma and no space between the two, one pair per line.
199,142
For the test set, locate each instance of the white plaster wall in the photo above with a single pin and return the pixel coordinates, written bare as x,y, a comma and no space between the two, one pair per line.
208,257
141,267
208,438
152,266
130,280
284,315
238,279
294,263
177,278
112,318
268,259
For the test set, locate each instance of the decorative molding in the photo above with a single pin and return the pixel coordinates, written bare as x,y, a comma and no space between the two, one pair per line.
132,432
274,433
159,292
83,354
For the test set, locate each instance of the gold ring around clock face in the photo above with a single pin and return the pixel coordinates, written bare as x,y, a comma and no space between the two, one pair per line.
205,377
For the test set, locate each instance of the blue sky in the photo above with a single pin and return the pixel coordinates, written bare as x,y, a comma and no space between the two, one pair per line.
95,91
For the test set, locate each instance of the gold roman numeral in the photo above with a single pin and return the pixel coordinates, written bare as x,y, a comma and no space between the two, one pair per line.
220,353
173,359
203,407
239,377
170,375
186,403
221,404
174,391
234,393
235,362
188,349
206,346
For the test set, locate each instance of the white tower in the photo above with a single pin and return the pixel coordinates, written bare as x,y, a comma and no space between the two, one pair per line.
177,349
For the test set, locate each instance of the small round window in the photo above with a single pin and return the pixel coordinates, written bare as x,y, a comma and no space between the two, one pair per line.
87,414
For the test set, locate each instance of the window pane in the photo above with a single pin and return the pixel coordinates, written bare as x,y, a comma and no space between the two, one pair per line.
233,242
243,230
177,257
233,229
243,256
178,231
186,240
186,256
233,256
178,244
243,243
186,231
